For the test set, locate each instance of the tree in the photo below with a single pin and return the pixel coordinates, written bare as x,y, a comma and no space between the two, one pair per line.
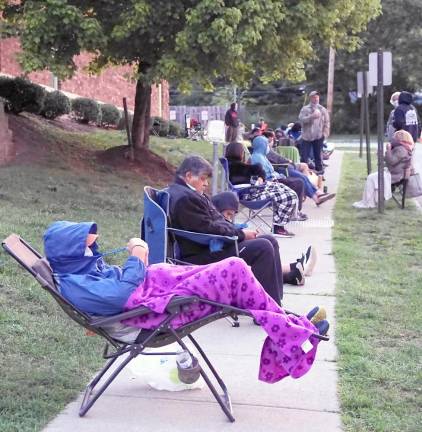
184,40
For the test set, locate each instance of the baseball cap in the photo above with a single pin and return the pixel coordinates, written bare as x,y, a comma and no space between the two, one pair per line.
314,93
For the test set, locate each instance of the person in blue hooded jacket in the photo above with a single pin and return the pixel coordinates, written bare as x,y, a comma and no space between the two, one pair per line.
84,279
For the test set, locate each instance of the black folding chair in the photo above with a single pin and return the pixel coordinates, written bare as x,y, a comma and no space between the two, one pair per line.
163,335
398,190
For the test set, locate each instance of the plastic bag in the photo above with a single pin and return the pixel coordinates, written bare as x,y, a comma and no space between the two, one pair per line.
160,373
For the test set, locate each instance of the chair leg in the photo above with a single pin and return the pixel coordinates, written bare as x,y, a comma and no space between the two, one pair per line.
90,398
403,199
223,400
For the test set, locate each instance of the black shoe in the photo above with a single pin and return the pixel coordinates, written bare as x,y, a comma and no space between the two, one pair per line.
280,231
322,327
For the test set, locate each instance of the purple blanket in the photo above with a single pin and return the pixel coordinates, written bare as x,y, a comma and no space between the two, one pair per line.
231,282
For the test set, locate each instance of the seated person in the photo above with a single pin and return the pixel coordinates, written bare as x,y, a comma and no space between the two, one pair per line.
310,190
192,210
227,203
398,158
284,199
96,288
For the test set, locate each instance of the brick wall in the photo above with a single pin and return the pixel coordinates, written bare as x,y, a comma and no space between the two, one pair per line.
110,87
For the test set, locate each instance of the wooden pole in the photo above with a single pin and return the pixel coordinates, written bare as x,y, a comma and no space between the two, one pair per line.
129,136
330,85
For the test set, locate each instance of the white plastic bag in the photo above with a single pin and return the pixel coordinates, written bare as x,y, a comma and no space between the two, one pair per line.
160,372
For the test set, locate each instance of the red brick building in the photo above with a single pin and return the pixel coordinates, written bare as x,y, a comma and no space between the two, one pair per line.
109,87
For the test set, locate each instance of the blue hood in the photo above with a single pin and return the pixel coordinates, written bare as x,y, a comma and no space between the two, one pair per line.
260,145
405,98
65,244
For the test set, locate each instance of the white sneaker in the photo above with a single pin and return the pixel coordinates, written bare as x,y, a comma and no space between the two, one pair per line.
310,260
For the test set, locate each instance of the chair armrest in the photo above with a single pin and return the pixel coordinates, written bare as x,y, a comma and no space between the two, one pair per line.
202,238
175,302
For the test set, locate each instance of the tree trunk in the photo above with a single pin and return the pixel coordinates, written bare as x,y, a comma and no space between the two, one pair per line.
141,116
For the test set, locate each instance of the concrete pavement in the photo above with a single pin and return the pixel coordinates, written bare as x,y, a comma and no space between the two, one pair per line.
309,404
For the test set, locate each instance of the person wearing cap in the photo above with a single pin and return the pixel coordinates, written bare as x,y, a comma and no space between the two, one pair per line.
389,128
315,121
406,117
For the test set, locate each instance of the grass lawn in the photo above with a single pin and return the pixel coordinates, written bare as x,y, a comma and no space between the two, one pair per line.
379,310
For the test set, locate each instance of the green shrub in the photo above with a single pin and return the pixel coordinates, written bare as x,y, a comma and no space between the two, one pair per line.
55,104
159,126
122,122
175,129
86,110
110,115
22,95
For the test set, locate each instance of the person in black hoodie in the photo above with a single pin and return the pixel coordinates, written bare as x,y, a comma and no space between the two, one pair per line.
192,210
406,117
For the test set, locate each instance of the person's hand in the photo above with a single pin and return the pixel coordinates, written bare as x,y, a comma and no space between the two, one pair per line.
249,234
316,114
260,181
388,146
137,247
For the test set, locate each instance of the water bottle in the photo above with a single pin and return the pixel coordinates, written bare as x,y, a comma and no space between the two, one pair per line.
188,368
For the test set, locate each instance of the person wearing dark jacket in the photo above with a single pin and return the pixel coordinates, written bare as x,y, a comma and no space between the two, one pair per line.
406,117
191,209
231,121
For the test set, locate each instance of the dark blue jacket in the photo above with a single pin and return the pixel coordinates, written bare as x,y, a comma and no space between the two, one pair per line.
88,282
406,116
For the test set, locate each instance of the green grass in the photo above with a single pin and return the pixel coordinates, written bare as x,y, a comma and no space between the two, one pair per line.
378,259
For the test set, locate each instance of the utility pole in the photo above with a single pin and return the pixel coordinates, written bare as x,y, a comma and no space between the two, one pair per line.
330,85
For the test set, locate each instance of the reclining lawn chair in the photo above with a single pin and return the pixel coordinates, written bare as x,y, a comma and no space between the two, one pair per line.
162,238
107,327
255,208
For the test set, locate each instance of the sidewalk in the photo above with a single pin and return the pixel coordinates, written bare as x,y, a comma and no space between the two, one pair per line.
309,404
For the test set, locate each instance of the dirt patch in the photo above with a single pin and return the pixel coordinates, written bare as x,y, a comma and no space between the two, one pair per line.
35,145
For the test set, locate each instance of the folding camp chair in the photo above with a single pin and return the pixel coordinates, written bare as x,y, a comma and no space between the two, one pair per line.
161,336
289,152
255,208
162,238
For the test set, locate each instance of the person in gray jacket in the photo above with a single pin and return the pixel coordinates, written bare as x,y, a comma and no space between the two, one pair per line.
398,156
315,121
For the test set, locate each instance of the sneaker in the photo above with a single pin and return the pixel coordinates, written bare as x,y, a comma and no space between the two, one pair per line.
280,231
310,260
322,327
316,314
324,198
299,277
300,217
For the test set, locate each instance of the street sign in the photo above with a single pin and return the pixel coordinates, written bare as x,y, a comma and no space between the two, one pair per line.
387,69
359,78
216,131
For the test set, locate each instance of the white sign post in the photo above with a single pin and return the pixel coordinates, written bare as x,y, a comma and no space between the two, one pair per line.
216,132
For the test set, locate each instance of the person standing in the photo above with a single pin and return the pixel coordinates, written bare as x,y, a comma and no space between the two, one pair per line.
406,117
315,121
231,121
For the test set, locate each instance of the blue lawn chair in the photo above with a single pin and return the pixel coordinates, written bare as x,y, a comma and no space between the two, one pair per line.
162,238
255,208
